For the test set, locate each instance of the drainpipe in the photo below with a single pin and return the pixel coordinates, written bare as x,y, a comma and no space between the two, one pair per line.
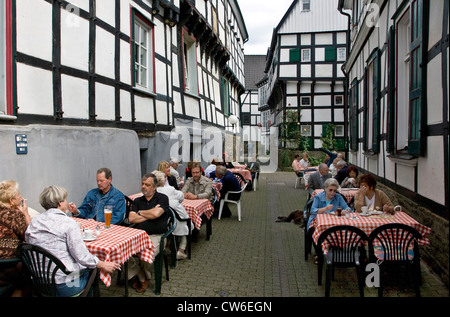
346,83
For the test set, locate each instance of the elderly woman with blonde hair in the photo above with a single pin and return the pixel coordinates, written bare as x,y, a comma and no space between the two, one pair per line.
14,221
175,199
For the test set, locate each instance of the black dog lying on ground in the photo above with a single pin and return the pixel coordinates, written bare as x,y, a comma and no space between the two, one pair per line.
296,215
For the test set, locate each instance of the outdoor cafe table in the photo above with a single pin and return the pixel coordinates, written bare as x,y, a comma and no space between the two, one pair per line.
323,222
348,193
117,244
243,172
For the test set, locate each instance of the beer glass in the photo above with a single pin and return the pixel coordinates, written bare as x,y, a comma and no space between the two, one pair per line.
108,213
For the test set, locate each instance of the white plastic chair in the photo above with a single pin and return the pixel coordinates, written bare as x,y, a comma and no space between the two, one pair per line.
238,202
255,181
298,180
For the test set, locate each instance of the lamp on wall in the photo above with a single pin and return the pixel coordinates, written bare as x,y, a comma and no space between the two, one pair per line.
233,120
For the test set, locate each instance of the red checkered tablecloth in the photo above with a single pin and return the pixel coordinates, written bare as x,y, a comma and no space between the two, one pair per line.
244,173
196,208
348,193
367,224
117,244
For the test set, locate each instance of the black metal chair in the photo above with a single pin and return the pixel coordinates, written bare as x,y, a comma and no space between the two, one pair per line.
395,245
43,266
7,290
308,231
345,248
162,255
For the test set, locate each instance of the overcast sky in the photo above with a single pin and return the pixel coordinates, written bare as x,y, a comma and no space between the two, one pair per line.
261,17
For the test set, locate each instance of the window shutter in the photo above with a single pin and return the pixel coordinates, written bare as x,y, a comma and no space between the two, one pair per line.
417,129
294,55
354,116
366,109
390,144
330,54
376,103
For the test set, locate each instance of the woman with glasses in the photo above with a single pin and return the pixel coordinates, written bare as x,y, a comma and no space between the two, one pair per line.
327,201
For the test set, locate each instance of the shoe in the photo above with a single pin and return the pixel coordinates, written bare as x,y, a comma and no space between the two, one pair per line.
181,255
143,287
136,284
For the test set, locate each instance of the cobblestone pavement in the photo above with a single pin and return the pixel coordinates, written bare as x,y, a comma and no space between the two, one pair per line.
259,257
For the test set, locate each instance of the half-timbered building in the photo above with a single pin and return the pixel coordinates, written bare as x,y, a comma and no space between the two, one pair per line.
93,83
398,70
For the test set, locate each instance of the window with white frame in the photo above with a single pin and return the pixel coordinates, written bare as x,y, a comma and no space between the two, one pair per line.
403,70
190,63
305,130
143,54
339,131
341,54
306,55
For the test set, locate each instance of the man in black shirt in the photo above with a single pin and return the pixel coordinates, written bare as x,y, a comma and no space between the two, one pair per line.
149,212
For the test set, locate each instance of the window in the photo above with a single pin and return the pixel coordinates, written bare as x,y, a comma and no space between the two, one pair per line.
354,107
143,77
306,55
341,54
338,100
402,120
406,122
372,104
306,5
339,131
305,130
305,101
190,63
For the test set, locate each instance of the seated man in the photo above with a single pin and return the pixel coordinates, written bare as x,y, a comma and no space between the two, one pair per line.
150,213
198,186
254,168
96,199
229,183
317,179
301,166
341,171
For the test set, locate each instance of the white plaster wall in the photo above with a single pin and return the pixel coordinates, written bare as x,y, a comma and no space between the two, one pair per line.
144,110
74,41
34,28
69,157
104,102
288,71
75,97
431,171
104,53
34,90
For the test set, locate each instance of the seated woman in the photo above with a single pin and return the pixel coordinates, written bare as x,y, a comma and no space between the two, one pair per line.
170,180
371,197
175,199
60,234
351,181
14,221
327,201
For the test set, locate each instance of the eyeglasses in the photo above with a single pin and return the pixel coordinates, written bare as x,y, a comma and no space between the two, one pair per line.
332,190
